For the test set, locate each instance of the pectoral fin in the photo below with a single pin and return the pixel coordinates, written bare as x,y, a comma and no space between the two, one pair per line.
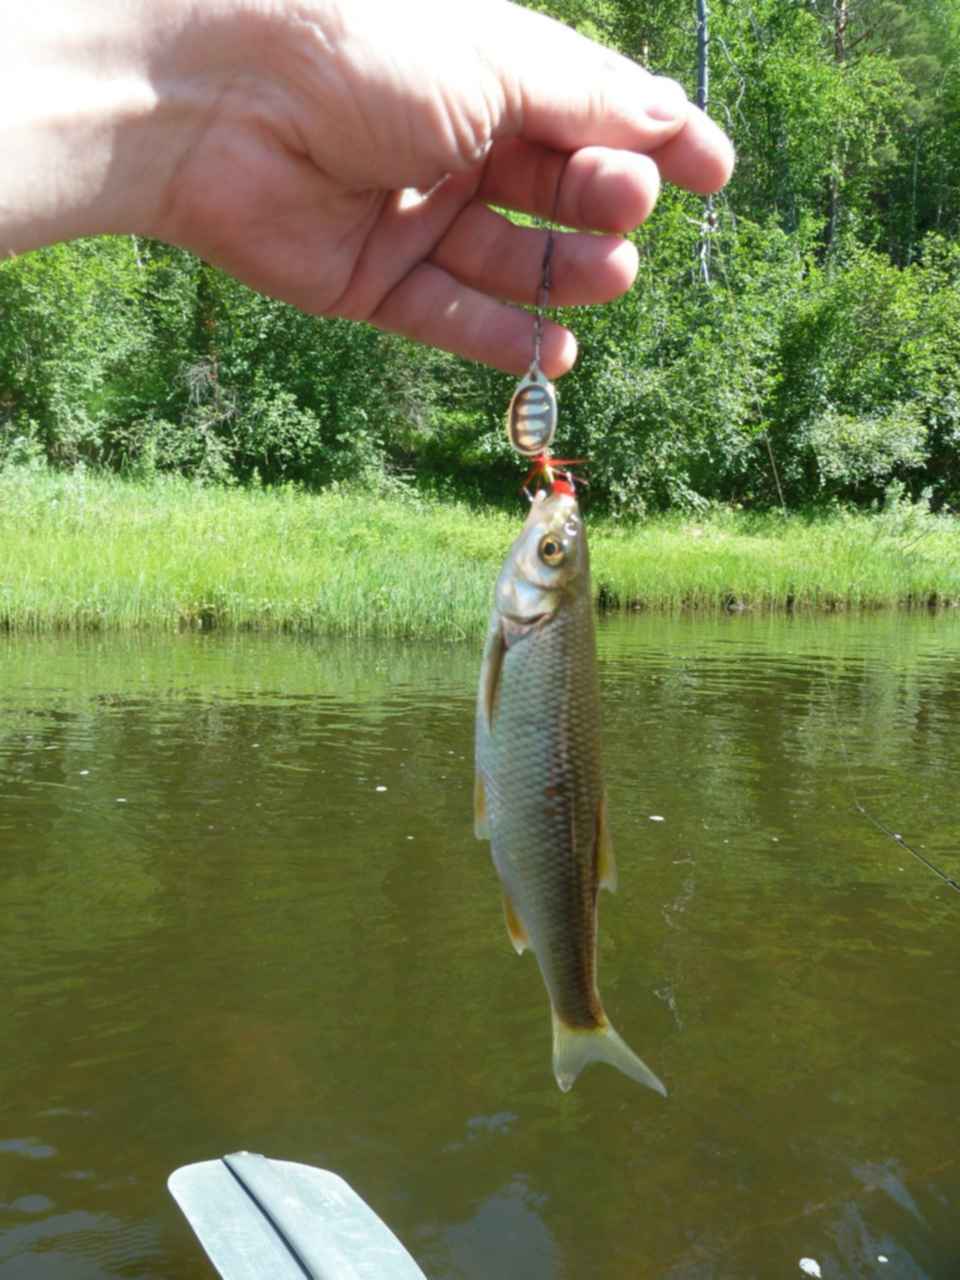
481,823
518,934
490,673
605,862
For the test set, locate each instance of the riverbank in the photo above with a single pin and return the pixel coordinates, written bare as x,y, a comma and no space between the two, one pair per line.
82,551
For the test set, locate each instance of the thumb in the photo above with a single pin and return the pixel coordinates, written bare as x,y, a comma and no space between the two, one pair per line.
566,92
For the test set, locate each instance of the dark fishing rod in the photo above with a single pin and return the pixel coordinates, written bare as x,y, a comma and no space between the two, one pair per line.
882,827
898,838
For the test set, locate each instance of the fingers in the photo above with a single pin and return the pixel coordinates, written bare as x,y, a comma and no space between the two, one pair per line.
430,306
700,157
595,188
488,253
451,228
438,268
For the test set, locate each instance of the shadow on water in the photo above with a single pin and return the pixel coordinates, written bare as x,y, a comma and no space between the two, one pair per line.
244,908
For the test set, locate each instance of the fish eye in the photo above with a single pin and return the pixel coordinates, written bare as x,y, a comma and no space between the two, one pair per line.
551,550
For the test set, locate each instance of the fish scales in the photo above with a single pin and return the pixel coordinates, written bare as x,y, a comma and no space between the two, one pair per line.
540,797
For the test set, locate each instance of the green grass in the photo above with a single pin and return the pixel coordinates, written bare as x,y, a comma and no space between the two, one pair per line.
86,551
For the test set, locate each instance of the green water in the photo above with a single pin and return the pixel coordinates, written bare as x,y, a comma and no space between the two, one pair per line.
242,906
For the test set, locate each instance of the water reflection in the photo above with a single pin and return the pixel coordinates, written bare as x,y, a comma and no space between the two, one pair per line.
244,908
83,1246
504,1236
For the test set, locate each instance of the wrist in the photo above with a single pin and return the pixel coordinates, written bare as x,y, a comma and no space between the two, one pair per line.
94,116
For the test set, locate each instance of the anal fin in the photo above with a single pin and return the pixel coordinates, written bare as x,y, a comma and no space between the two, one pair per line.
605,861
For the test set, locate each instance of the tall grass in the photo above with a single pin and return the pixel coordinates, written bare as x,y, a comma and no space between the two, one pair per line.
84,551
899,557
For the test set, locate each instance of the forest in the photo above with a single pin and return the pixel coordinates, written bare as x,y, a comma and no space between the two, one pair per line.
791,343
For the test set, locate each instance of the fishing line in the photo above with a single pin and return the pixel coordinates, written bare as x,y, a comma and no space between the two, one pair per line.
532,416
546,282
546,266
875,822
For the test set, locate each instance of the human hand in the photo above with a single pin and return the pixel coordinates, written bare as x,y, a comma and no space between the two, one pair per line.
344,155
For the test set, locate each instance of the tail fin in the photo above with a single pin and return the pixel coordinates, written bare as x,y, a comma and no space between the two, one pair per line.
574,1049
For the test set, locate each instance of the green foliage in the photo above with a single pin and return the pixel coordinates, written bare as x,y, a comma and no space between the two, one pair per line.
67,330
871,379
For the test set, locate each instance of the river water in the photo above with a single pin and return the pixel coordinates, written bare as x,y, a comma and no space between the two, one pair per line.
242,907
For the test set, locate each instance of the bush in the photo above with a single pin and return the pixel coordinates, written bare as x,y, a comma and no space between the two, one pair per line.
870,380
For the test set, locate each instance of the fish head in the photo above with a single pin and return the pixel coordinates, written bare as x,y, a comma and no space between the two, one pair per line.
547,565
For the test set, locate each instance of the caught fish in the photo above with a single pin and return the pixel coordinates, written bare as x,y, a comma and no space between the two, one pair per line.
539,792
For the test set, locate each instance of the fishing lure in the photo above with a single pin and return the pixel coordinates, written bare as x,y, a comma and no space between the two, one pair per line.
532,416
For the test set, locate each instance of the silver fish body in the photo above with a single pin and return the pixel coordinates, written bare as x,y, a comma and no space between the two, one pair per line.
539,790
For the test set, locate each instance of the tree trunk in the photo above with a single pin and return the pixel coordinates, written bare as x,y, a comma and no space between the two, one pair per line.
703,54
703,101
841,18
